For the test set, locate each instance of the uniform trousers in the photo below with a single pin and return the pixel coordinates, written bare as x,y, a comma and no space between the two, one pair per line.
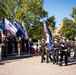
64,53
55,56
48,56
42,56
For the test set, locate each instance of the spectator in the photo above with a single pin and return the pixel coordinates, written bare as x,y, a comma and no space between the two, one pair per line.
30,43
39,46
19,46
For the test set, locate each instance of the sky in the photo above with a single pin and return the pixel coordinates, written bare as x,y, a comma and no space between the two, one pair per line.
59,8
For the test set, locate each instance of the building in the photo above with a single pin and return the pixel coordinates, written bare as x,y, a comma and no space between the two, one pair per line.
56,32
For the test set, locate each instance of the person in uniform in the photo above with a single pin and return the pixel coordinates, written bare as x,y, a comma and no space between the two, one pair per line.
68,48
74,50
64,52
39,46
27,48
23,44
9,43
19,46
4,47
42,50
15,43
49,53
55,51
30,43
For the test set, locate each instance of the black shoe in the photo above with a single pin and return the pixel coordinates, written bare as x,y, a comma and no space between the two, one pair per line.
44,58
60,64
54,63
47,62
41,62
65,64
51,60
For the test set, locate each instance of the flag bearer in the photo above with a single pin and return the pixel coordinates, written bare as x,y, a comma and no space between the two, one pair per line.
55,51
42,50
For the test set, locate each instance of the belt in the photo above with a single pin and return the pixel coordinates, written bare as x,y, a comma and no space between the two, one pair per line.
64,50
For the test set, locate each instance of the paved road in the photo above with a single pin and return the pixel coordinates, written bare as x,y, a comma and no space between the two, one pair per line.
32,66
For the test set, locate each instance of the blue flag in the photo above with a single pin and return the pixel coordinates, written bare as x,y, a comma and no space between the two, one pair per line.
48,36
10,27
19,28
3,29
24,28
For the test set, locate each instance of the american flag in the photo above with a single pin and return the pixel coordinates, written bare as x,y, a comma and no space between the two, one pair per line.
48,36
44,27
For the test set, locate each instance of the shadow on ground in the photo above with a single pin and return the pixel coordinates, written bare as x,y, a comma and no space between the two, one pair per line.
1,63
72,62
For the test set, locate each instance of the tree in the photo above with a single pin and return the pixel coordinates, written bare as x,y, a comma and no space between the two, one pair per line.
73,14
2,10
29,11
38,31
68,30
51,22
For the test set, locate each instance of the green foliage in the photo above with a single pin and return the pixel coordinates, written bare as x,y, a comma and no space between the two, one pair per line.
51,22
68,30
73,14
69,27
37,32
28,11
2,10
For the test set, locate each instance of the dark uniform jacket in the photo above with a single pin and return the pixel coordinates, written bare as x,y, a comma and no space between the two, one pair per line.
43,47
64,46
55,46
68,46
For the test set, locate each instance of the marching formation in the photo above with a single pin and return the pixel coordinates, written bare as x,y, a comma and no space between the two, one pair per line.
55,50
60,51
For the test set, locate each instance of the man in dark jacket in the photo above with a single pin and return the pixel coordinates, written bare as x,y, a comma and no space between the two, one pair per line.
64,52
74,50
68,48
42,50
55,51
23,44
30,43
15,43
9,42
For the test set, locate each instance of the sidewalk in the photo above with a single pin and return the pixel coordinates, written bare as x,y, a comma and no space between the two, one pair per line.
16,56
32,66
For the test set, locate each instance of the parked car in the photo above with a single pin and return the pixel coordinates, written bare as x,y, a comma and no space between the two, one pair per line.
35,48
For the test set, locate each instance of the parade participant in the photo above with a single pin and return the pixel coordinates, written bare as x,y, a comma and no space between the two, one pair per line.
0,40
19,46
48,54
42,50
39,46
15,43
9,43
69,46
27,48
30,43
64,52
4,47
23,44
75,50
55,51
